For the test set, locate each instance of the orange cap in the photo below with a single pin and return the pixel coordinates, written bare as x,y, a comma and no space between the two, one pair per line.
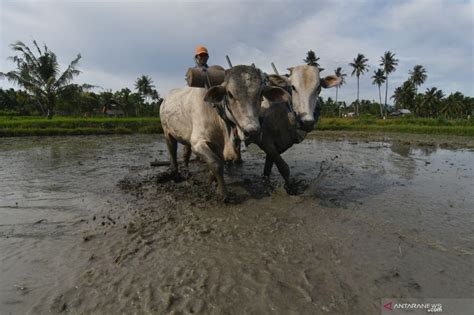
201,50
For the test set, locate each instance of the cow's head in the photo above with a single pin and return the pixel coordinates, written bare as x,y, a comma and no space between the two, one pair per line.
305,84
243,88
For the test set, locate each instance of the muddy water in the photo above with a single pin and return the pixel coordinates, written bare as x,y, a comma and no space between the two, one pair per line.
49,189
86,225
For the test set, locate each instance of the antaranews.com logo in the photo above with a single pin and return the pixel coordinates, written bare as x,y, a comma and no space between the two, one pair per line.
427,306
431,308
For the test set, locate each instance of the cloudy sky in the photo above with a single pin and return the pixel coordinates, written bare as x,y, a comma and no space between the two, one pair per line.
120,40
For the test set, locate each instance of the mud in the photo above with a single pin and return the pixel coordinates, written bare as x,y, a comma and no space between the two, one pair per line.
90,227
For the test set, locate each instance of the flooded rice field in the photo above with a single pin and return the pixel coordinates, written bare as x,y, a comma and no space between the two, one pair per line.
88,226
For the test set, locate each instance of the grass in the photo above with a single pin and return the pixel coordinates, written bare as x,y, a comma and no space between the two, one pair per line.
403,125
13,126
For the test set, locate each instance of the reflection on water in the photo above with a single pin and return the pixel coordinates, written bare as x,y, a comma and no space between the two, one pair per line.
400,148
424,190
402,159
404,149
65,177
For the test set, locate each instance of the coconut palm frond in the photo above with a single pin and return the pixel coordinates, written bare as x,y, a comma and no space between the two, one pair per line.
378,77
359,65
39,74
338,72
388,62
311,59
37,47
418,75
69,73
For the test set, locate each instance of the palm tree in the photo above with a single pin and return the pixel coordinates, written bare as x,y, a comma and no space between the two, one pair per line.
452,106
418,76
40,75
360,66
312,60
431,101
144,86
388,63
404,95
379,79
398,97
467,107
155,95
338,72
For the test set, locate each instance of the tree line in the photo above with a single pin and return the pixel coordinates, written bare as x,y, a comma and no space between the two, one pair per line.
431,103
44,89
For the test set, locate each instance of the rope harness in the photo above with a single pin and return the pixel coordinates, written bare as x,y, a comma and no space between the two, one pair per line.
290,109
299,123
289,105
222,107
224,111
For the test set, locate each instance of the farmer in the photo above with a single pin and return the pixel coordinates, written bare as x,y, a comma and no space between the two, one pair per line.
201,56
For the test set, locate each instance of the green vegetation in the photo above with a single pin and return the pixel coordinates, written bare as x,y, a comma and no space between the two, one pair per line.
46,90
359,66
39,75
12,126
418,76
461,127
433,103
79,103
340,74
379,79
312,60
388,63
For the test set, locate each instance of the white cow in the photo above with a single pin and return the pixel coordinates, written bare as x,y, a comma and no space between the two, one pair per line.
188,117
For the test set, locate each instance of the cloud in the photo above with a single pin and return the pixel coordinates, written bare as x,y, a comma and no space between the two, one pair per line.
120,40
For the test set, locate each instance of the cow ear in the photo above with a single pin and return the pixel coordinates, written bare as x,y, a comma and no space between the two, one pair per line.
275,94
278,80
330,81
215,94
290,69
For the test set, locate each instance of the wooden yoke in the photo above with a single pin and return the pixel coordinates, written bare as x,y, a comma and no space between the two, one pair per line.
197,77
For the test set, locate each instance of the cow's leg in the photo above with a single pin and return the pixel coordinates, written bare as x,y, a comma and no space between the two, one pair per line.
274,156
282,168
186,155
267,170
238,159
211,178
215,164
172,149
